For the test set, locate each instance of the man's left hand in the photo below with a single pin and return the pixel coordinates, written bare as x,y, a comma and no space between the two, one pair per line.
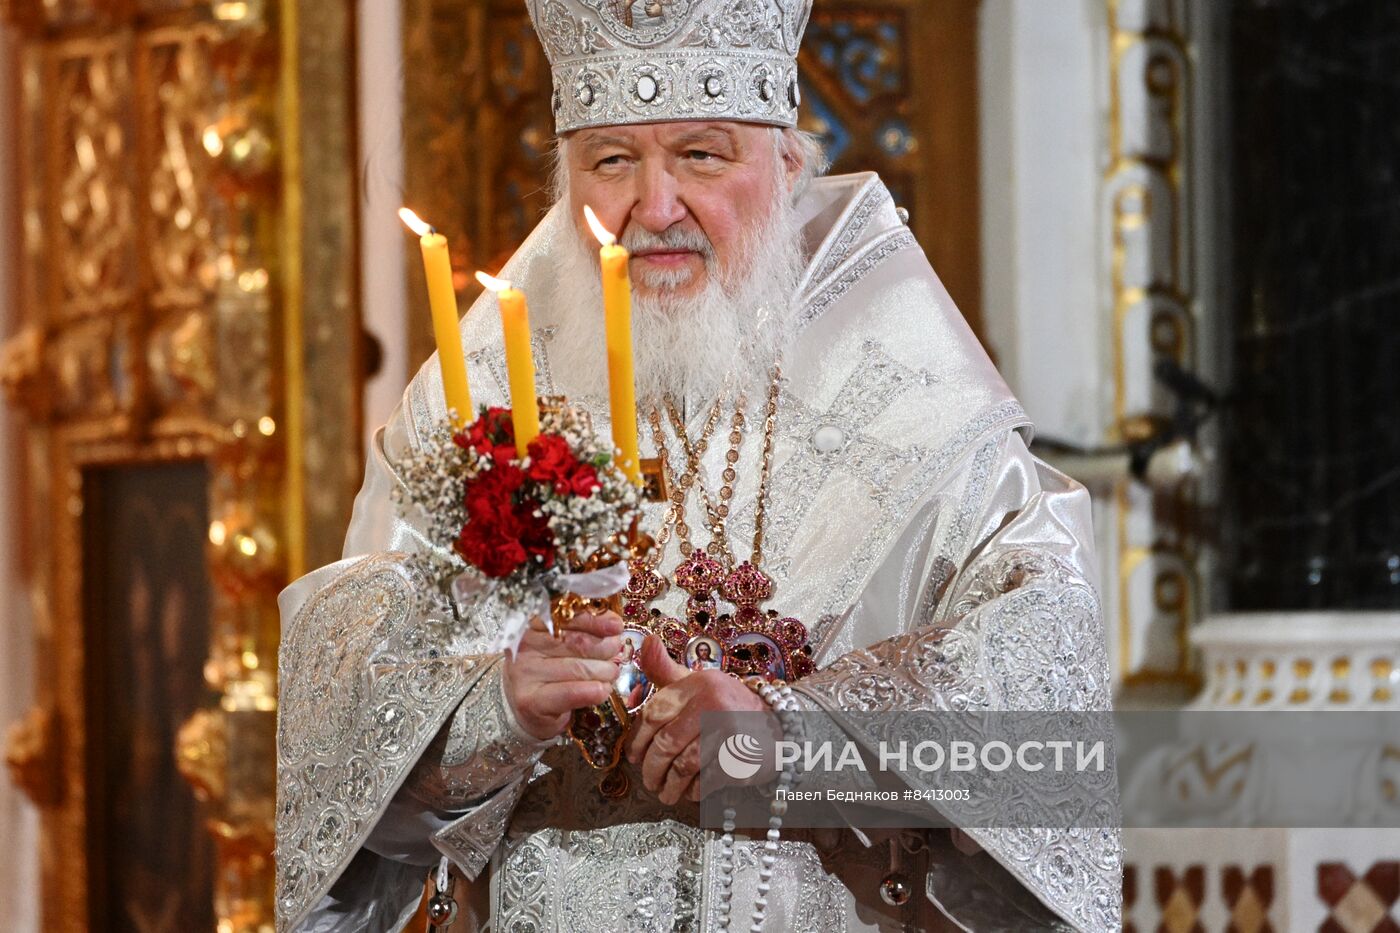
667,740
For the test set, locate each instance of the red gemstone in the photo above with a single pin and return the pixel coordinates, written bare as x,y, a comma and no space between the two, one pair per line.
792,634
700,574
746,585
725,630
645,584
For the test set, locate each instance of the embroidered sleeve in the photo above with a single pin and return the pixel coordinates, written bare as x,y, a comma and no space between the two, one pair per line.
368,671
480,749
470,840
1018,627
1024,649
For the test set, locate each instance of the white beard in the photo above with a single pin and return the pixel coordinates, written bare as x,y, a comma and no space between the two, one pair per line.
688,347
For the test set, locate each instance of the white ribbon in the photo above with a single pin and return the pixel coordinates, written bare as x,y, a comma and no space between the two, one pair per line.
470,588
595,584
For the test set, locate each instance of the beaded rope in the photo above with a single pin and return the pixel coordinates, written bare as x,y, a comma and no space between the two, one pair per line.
780,700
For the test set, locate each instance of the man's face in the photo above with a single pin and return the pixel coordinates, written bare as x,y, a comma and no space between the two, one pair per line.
681,195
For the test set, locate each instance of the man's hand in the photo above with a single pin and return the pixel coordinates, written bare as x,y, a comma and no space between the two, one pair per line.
551,677
667,740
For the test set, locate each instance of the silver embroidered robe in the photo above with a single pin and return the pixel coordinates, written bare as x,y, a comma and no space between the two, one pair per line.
937,564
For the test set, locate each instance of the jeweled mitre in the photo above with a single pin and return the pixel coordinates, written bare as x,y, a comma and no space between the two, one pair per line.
647,61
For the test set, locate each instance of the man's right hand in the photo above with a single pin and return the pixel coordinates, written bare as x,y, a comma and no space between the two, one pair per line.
551,677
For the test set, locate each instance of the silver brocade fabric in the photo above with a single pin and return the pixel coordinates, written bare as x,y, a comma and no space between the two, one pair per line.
937,564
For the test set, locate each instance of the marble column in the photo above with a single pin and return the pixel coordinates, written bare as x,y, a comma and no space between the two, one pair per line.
1312,494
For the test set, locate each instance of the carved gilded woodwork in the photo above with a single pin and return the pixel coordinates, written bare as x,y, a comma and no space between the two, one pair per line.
889,85
1148,203
477,135
188,289
96,233
21,372
30,755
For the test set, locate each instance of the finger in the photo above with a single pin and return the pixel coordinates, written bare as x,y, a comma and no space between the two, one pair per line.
556,699
582,645
664,706
573,644
537,624
562,670
655,661
707,766
537,641
669,742
602,625
681,774
692,792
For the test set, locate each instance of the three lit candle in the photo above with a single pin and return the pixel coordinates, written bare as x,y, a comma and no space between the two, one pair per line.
520,363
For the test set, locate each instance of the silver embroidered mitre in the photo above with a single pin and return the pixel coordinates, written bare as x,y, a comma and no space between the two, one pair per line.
649,61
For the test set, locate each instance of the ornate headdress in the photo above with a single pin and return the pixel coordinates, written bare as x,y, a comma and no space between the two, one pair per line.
648,61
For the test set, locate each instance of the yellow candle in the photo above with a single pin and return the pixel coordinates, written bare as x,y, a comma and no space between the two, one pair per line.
442,299
622,384
520,362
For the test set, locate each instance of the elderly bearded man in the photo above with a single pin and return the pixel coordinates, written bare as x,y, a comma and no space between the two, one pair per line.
935,562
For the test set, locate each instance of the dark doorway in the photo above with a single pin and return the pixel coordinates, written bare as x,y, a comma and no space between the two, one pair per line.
146,598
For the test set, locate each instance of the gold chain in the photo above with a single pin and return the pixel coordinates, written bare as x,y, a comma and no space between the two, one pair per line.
675,514
718,512
765,472
663,537
702,443
719,539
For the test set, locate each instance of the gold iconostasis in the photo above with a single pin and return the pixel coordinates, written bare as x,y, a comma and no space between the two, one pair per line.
187,361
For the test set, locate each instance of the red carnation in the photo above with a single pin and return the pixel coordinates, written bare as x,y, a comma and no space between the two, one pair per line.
486,547
492,435
502,481
535,533
498,548
492,494
583,482
551,461
501,534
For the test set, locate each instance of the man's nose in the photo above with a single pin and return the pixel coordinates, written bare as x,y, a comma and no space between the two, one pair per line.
658,206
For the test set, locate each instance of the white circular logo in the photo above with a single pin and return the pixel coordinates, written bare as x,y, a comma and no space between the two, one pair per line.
740,756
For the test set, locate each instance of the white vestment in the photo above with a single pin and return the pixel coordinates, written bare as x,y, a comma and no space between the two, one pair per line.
936,563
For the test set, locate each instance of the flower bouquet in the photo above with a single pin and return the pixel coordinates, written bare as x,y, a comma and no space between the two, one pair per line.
523,529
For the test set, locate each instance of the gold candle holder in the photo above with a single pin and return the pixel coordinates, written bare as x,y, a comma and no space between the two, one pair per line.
600,731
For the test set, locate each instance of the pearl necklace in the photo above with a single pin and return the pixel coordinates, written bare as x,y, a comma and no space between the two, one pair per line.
780,699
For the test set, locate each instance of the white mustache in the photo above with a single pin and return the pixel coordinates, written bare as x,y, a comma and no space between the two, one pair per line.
638,238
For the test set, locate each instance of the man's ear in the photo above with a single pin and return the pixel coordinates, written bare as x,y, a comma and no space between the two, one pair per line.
794,160
559,176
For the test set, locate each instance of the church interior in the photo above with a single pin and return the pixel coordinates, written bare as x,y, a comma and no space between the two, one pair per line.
1171,223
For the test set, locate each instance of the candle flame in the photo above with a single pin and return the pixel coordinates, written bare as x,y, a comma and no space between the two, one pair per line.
600,231
492,283
414,222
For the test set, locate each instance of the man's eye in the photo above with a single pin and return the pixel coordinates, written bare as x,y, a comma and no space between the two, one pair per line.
609,160
699,155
